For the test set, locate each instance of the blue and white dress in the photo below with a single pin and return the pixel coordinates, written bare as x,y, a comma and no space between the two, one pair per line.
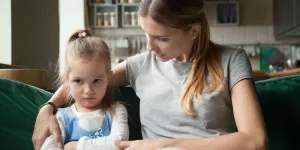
73,130
93,130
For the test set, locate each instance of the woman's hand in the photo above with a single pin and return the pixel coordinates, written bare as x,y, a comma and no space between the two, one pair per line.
46,124
70,146
147,144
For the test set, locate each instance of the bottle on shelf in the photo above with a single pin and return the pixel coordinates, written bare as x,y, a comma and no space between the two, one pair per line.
231,15
99,19
108,1
98,1
127,20
112,19
106,19
123,1
134,18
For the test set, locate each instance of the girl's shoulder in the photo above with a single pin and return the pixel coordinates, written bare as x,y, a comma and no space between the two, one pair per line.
118,109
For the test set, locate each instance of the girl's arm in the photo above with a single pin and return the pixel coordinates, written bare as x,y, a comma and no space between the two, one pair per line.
46,123
119,131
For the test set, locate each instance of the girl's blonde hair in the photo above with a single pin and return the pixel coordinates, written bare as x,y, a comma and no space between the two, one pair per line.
82,44
205,55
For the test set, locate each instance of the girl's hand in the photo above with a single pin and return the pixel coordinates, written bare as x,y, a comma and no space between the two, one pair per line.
147,144
70,146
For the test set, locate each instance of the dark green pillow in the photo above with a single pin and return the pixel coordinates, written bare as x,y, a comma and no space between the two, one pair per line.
280,102
19,104
18,107
279,99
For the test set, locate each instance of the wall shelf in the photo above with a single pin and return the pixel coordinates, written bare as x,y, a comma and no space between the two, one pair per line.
227,12
129,16
122,12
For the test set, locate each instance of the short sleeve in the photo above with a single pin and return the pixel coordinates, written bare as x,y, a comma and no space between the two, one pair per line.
134,65
240,67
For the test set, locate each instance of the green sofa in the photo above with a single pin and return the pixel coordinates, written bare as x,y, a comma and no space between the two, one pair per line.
279,99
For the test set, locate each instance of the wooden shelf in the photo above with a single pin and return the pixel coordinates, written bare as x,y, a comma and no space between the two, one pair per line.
286,72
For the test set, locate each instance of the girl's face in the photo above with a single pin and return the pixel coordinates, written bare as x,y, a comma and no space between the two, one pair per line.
166,42
88,80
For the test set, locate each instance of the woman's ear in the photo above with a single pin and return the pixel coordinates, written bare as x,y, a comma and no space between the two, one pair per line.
195,30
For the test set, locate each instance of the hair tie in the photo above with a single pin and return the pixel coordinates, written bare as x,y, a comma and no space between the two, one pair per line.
82,34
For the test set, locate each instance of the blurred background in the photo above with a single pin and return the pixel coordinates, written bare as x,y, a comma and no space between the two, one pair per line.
33,33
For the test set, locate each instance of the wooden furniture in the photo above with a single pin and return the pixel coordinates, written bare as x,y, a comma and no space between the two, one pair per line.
34,77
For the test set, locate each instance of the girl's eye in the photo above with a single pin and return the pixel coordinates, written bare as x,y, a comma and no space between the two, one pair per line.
97,80
78,81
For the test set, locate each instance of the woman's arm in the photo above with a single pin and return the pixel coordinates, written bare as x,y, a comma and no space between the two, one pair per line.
46,123
49,142
251,133
119,75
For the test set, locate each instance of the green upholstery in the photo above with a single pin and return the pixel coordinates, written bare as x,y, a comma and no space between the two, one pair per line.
18,107
280,102
278,98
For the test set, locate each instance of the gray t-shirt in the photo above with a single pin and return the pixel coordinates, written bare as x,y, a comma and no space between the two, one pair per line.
159,84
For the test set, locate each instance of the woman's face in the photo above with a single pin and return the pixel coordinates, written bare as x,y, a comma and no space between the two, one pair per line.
166,42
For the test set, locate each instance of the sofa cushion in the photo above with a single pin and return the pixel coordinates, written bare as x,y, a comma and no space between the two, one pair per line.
279,99
18,107
280,102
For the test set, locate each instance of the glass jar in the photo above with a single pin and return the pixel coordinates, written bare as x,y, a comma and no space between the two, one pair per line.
106,19
127,19
112,19
108,1
134,18
99,19
98,1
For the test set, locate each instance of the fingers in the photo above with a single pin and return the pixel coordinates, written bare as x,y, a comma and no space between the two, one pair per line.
122,144
40,134
55,132
37,141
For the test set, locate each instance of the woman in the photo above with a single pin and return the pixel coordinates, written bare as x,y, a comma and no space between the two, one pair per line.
194,94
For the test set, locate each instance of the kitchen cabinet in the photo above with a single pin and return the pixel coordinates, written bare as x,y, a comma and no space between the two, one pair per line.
286,18
297,5
227,11
114,13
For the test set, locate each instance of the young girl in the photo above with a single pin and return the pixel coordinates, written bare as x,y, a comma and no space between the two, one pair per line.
94,115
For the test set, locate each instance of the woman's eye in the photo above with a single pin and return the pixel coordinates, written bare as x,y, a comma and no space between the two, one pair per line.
164,39
97,80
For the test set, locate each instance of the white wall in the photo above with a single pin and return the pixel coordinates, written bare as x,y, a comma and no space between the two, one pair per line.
5,32
35,37
71,18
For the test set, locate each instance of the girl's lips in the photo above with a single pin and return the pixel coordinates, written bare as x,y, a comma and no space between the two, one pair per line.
159,55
